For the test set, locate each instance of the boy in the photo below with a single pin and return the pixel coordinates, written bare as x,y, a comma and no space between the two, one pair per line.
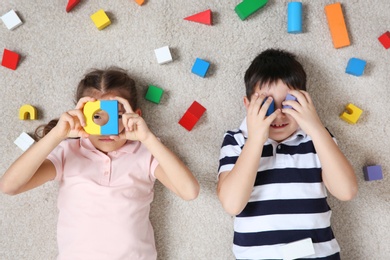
274,169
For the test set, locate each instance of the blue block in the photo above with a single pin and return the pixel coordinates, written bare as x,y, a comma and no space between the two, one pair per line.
373,173
355,67
290,97
200,67
271,107
112,126
294,17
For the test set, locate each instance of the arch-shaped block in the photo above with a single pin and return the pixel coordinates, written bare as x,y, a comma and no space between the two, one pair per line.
28,111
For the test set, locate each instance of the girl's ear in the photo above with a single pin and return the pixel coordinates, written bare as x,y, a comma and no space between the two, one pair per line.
246,102
138,111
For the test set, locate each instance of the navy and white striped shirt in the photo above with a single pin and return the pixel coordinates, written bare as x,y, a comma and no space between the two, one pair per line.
288,200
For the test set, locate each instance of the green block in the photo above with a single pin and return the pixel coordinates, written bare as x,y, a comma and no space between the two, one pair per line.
154,94
248,7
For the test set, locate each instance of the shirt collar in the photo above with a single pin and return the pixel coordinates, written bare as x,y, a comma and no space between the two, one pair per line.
128,147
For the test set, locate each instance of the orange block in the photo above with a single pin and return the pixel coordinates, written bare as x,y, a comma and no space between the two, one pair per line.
140,2
337,27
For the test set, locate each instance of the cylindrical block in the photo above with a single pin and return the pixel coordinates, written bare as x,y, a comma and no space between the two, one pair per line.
294,17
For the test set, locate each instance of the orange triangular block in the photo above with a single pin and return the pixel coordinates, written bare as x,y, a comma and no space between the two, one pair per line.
71,4
204,17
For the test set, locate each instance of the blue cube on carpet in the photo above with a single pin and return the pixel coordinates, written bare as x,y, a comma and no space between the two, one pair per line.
200,67
355,67
373,173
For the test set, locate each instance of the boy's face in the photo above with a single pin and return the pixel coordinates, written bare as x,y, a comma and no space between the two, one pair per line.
284,125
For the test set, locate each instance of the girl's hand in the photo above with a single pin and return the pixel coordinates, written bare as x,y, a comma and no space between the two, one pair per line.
71,123
135,127
303,111
257,122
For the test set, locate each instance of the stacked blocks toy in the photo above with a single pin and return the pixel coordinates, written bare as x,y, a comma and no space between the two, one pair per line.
192,116
290,97
10,59
355,67
352,115
337,27
71,5
298,249
200,67
373,173
11,20
24,141
139,2
294,17
27,111
249,7
112,125
204,17
101,19
271,107
154,94
163,55
385,39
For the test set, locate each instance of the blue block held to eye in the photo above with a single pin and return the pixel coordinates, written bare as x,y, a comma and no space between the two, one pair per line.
290,97
271,107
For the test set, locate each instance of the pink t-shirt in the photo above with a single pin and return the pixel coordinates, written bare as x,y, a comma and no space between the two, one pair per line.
104,201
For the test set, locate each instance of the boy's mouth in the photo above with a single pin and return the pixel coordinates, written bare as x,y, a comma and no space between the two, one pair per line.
277,126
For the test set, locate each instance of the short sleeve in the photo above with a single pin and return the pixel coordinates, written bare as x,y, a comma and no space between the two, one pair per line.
153,165
57,158
230,151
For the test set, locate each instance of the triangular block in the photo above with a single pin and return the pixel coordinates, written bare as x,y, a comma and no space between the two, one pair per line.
71,4
204,17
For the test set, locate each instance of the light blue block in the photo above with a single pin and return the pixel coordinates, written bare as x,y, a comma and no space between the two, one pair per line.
355,67
294,17
200,67
290,97
112,126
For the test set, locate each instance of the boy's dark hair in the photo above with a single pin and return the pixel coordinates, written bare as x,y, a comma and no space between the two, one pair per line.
272,65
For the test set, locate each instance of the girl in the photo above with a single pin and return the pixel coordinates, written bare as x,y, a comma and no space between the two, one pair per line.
105,182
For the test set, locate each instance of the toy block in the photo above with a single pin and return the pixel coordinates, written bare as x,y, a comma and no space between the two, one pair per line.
373,173
71,5
298,249
352,114
271,107
204,17
355,67
249,7
24,141
111,127
10,59
294,17
11,20
154,94
100,19
192,116
337,27
140,2
385,39
290,97
200,67
163,55
27,111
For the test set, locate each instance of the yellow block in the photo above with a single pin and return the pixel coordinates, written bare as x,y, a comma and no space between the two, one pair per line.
27,111
352,114
90,108
101,19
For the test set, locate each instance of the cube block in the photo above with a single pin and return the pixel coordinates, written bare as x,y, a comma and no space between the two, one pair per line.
200,67
163,55
249,7
24,141
101,19
356,67
373,173
385,39
154,94
10,59
11,20
192,116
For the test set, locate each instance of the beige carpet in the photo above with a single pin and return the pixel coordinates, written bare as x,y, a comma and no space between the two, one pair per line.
58,47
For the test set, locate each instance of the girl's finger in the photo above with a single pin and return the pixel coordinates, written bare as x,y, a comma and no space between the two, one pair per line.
125,104
83,100
79,114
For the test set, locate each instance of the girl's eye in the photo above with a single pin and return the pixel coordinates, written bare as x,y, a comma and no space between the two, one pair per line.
119,116
96,116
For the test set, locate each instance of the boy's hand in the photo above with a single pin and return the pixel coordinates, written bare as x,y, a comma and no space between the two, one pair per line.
303,111
257,122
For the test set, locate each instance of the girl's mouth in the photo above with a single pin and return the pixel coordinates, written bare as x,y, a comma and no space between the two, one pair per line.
106,140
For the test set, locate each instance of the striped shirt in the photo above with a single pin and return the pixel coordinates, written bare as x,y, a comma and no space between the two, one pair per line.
288,200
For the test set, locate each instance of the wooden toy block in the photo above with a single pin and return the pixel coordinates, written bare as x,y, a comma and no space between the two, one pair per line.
290,97
27,111
271,107
140,2
200,67
24,141
101,19
337,27
385,39
249,7
10,59
373,173
71,5
154,94
294,17
11,20
204,17
112,125
298,249
163,55
355,67
352,114
192,115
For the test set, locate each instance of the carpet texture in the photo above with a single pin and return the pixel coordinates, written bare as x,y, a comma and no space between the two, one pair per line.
57,48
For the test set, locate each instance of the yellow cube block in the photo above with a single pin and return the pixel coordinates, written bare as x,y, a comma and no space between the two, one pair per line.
101,19
352,114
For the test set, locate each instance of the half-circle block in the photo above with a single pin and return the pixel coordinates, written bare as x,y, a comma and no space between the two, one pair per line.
27,111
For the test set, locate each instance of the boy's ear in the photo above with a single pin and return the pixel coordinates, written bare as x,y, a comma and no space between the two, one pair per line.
246,102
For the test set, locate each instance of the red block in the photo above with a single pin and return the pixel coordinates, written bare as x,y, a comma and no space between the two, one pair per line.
385,39
71,4
204,17
10,59
192,116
